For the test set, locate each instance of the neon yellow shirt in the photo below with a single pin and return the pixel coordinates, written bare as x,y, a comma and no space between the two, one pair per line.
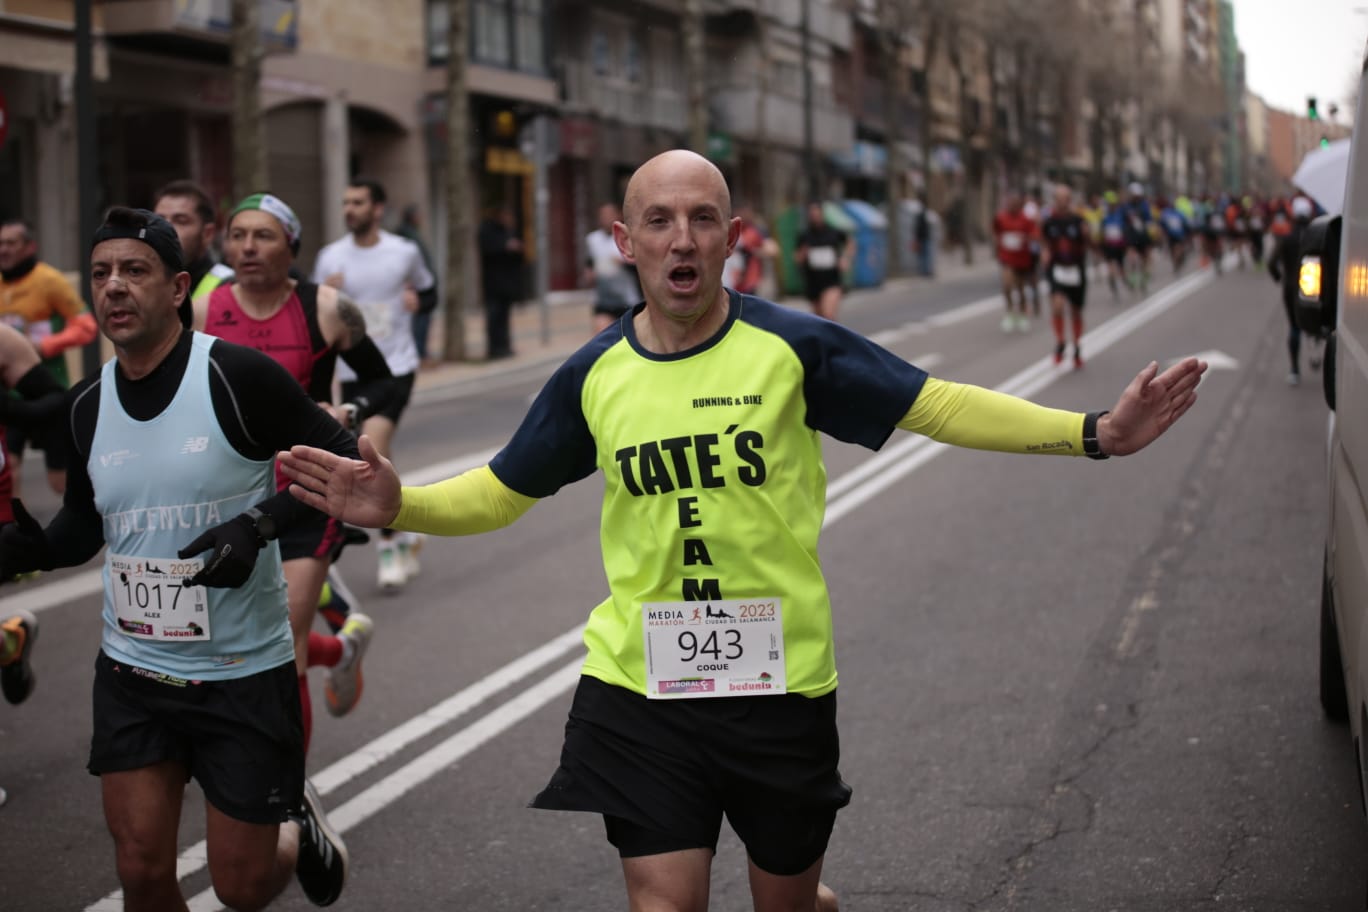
715,487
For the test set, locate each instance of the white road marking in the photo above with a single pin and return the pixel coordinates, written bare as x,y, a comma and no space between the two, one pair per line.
37,597
1215,359
887,337
843,496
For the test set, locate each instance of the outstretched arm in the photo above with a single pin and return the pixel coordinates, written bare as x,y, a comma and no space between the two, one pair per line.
969,416
357,491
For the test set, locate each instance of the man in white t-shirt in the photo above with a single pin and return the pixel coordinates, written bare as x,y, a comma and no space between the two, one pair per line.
615,283
387,278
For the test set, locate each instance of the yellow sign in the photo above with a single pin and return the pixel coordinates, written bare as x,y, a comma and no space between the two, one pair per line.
503,160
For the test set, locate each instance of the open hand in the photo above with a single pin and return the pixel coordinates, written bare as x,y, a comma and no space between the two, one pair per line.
363,492
1149,406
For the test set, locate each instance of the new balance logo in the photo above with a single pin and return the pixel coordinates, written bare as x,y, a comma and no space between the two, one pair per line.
195,445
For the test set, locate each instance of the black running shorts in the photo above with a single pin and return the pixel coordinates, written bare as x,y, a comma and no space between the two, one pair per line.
242,740
403,384
664,772
1114,254
1076,295
817,281
315,536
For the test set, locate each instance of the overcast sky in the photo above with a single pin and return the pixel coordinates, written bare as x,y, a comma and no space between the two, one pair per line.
1295,49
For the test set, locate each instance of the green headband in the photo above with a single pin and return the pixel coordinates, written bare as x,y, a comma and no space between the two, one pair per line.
275,206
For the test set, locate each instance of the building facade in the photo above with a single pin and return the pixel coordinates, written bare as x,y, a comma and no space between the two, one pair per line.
800,98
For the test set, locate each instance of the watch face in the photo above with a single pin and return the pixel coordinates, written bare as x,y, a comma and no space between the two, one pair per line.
266,527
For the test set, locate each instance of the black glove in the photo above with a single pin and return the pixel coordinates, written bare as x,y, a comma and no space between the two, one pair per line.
234,546
23,545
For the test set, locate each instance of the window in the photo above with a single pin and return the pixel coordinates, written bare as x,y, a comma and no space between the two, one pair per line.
438,23
631,59
528,36
601,54
490,32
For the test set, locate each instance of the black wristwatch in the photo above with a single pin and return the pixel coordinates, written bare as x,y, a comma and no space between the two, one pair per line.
264,523
1091,448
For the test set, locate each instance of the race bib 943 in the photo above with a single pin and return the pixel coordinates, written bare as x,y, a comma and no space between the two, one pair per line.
724,648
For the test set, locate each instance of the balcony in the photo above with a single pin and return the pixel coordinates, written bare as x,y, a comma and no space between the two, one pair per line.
206,20
739,114
586,92
826,23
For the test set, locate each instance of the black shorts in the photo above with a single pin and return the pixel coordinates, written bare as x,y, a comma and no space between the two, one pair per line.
53,447
403,392
818,281
1076,295
663,773
242,740
315,537
1114,254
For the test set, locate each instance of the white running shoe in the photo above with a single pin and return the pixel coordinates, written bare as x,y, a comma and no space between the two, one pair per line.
1023,323
410,543
1293,379
342,690
1008,323
389,575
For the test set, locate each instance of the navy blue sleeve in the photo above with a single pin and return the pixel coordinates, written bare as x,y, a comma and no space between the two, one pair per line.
553,447
856,391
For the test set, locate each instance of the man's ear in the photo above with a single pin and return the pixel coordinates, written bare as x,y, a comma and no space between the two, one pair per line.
623,241
182,282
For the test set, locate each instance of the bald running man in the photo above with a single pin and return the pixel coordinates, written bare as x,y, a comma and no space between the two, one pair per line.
710,683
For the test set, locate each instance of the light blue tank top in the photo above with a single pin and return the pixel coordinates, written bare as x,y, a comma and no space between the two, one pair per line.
159,485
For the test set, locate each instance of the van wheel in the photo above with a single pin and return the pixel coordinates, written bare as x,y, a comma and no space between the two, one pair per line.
1334,700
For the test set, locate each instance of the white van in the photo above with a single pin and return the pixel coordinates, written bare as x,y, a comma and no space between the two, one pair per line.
1335,251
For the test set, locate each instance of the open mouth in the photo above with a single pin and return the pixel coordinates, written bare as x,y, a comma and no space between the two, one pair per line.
683,279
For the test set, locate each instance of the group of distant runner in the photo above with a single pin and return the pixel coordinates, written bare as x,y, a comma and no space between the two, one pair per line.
1051,241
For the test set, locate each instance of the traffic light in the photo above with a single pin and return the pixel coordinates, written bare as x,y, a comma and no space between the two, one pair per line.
1311,112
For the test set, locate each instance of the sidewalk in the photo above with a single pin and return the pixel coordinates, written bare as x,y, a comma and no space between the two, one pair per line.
553,333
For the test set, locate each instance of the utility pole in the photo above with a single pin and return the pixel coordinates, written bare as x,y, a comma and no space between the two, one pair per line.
892,25
249,133
85,163
458,201
809,152
696,69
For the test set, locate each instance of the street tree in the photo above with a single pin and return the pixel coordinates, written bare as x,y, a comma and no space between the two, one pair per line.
894,21
696,74
249,128
459,202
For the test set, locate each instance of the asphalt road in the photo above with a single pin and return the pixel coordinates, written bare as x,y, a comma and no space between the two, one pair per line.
1065,685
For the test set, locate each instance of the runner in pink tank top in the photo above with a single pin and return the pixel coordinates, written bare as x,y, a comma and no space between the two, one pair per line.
284,335
305,328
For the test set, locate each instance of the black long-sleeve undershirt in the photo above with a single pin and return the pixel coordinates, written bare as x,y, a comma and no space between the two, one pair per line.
259,406
39,401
